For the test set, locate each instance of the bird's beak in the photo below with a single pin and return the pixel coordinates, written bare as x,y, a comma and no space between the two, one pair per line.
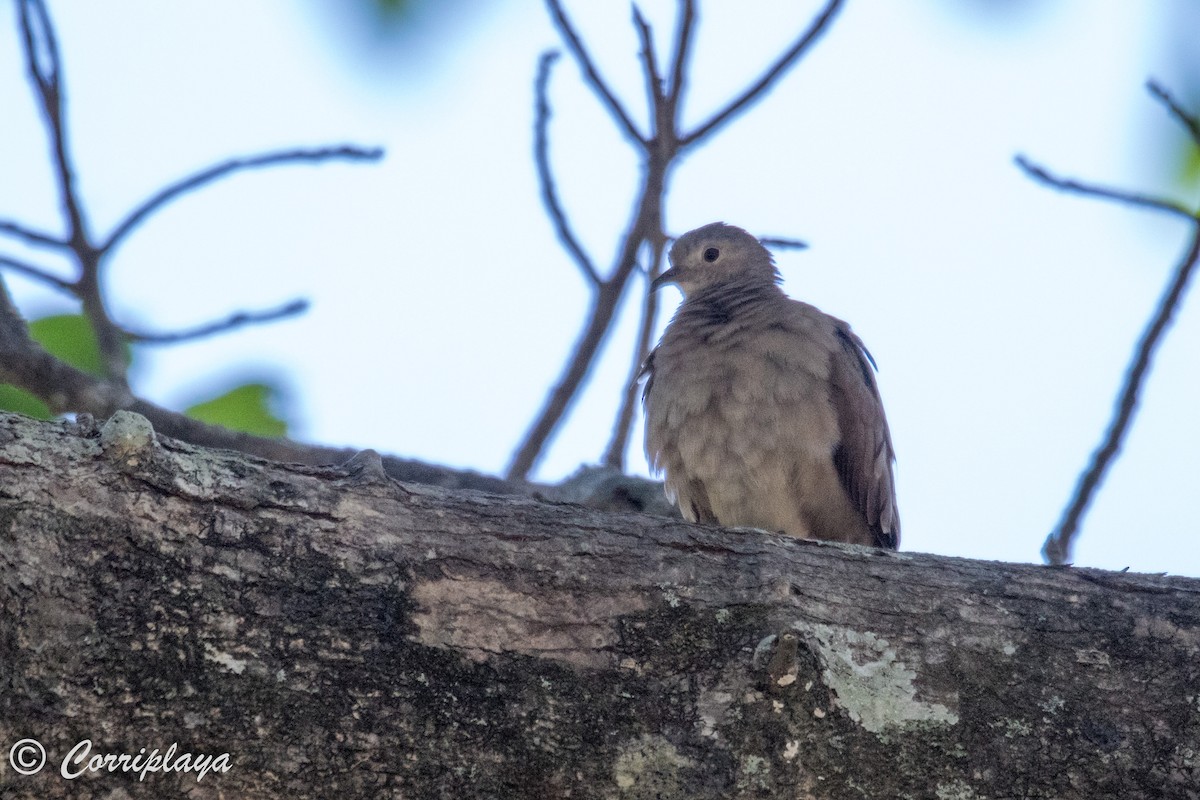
670,276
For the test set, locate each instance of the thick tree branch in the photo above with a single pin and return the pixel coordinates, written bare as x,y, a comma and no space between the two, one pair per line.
764,83
193,182
341,635
567,31
541,157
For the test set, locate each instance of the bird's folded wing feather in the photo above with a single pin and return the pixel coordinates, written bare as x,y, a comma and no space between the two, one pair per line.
864,455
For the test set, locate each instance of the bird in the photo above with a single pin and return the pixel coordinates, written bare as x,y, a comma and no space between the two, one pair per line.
761,410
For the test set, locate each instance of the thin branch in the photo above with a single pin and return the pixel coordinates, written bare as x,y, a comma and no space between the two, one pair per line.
643,227
541,157
1189,121
46,80
654,85
47,83
1129,198
36,273
569,35
199,179
614,455
759,88
31,236
232,322
783,244
1057,549
683,42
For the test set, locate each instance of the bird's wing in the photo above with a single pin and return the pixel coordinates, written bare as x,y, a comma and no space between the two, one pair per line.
864,454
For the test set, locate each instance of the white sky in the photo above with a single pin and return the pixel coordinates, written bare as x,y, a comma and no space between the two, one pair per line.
1002,314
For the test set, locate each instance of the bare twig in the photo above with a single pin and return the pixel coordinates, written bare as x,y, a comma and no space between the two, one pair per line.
1058,546
206,176
654,85
614,455
645,225
541,157
36,273
683,43
31,236
1060,542
37,35
1129,198
232,322
567,31
759,87
783,244
1189,121
46,80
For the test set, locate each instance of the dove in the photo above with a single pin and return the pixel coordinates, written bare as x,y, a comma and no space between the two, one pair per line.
761,410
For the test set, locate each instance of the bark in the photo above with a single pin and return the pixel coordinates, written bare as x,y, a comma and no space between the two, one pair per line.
339,634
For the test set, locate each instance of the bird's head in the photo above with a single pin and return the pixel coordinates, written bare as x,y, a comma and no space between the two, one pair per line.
718,255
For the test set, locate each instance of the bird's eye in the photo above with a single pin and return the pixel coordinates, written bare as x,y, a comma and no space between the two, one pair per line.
711,254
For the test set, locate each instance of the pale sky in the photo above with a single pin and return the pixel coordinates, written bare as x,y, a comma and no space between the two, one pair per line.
1002,314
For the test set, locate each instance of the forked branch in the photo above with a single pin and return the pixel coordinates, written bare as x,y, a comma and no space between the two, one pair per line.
1060,543
659,152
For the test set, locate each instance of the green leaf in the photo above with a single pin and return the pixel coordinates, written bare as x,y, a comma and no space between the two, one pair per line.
22,402
70,337
244,408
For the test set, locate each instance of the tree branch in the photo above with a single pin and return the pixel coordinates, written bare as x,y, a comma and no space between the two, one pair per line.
31,236
645,225
779,243
660,153
37,274
541,157
1129,198
1189,121
1058,546
683,42
47,83
614,455
342,635
234,321
654,86
206,176
567,31
760,87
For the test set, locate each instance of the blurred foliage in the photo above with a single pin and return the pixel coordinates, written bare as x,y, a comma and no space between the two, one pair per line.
70,338
243,408
22,402
395,43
